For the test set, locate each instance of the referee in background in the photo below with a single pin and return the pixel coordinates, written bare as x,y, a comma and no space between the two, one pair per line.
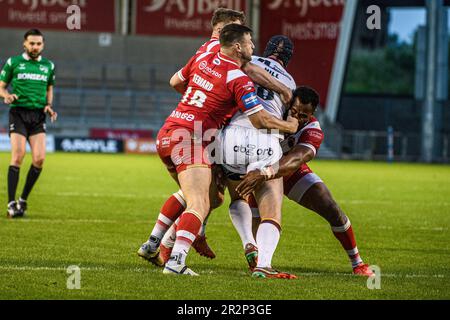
32,78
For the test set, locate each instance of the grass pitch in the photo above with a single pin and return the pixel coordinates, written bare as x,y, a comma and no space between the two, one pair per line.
94,211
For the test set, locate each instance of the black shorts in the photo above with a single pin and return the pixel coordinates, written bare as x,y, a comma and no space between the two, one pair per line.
26,122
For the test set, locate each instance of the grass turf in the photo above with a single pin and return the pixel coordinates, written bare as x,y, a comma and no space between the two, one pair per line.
94,211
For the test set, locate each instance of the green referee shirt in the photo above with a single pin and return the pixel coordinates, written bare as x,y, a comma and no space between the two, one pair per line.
29,80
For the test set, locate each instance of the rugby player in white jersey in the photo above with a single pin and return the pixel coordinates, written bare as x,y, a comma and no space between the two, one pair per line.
246,149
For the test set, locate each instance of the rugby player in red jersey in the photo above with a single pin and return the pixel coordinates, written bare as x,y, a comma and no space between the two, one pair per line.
301,184
176,203
214,86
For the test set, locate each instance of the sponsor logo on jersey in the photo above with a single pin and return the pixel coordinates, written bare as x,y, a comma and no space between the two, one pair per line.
22,66
251,150
249,86
216,61
208,86
44,69
203,66
250,100
182,115
32,76
165,142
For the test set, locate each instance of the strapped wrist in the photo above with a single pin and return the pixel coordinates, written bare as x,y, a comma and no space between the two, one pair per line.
268,172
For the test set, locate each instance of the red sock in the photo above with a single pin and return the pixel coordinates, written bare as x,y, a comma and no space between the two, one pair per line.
188,228
171,210
347,239
174,206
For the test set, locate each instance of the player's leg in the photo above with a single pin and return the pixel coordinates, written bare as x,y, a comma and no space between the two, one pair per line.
37,145
256,220
307,189
318,198
170,211
172,208
216,198
241,217
269,198
195,183
18,150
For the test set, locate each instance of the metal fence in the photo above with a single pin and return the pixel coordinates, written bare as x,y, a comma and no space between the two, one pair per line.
375,145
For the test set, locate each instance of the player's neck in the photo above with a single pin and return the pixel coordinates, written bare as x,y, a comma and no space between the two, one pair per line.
28,57
215,35
231,55
275,58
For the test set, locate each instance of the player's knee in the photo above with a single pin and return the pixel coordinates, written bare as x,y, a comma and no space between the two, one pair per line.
200,205
17,158
38,161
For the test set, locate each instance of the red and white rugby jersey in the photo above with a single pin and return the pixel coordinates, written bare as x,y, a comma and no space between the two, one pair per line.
311,136
213,45
216,88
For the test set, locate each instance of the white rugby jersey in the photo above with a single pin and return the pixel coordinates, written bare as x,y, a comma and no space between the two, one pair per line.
270,100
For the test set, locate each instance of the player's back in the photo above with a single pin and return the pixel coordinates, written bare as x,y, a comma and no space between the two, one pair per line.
216,87
213,45
270,100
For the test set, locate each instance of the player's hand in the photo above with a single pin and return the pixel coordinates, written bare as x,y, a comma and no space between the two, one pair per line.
53,115
249,183
10,98
293,123
286,96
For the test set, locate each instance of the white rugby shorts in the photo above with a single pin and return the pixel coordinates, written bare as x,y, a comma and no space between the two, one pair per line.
245,149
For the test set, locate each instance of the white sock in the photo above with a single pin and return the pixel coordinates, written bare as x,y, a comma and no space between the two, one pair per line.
160,228
267,239
241,216
179,253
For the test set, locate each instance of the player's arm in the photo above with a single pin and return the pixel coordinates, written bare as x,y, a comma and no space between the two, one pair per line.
180,79
5,78
264,120
5,95
49,107
288,164
177,83
264,79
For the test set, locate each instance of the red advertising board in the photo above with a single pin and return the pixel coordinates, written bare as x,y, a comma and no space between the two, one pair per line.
313,26
120,134
189,18
95,15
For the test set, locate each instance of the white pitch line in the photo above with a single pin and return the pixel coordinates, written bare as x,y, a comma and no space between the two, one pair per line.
28,268
108,195
314,226
307,274
356,201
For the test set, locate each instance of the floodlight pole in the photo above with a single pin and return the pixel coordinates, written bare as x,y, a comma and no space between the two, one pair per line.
431,117
340,60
